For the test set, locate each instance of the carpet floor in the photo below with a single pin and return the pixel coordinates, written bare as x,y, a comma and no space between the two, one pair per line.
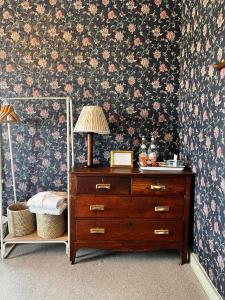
44,272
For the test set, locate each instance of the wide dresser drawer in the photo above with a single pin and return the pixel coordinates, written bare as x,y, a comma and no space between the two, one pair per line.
158,186
128,230
104,185
129,207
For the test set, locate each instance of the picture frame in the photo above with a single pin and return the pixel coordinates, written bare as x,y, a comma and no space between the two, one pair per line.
121,158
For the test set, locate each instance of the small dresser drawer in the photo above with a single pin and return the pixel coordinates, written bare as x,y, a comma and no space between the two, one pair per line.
156,207
128,230
102,206
129,207
158,186
105,185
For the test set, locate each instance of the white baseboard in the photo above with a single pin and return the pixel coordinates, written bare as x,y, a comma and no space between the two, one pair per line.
204,279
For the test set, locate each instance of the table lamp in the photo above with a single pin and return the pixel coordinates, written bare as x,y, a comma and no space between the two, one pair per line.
91,120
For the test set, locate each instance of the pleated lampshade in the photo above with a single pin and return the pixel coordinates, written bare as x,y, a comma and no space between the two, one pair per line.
92,119
7,114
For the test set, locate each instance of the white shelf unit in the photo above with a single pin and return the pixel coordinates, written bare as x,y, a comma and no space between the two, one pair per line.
34,238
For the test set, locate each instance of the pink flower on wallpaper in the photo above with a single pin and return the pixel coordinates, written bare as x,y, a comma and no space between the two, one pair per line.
137,41
9,68
67,36
161,118
105,2
56,106
58,14
144,113
131,80
156,105
106,106
223,184
130,58
2,32
52,32
156,31
157,54
119,88
111,15
85,41
32,159
60,68
220,261
79,28
131,28
44,113
105,85
219,152
34,42
56,135
68,88
222,73
169,88
86,94
93,62
22,186
63,167
119,36
27,28
216,132
58,155
211,276
162,68
78,5
130,110
200,244
168,137
145,62
53,2
163,14
213,174
2,55
208,142
216,227
30,110
112,119
216,99
111,68
62,119
34,179
155,84
54,55
25,5
137,93
119,138
20,138
36,93
54,84
46,163
158,2
131,5
92,9
106,54
80,81
170,36
202,181
38,144
6,15
213,205
145,9
31,131
40,9
18,88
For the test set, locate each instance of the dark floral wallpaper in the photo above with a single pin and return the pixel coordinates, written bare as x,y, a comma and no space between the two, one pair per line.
202,119
122,55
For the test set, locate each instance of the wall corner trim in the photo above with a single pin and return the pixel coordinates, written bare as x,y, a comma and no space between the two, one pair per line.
204,279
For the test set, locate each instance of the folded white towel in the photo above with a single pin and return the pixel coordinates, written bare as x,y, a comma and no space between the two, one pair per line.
49,211
49,199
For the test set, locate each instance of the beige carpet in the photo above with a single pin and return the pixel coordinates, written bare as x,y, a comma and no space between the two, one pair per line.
37,272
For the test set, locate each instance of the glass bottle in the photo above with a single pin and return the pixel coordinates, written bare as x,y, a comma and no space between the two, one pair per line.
152,151
143,156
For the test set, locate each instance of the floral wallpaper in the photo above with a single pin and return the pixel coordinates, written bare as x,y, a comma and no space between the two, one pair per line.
202,129
122,55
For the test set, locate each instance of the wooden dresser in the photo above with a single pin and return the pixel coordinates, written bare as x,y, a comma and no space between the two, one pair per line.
124,209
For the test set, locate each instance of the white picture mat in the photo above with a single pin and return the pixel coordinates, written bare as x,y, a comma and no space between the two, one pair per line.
122,159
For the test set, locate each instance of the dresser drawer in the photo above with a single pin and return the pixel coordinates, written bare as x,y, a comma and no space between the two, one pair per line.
129,207
104,185
157,186
128,230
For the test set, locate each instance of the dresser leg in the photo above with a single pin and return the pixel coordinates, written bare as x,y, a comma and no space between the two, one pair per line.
72,256
185,255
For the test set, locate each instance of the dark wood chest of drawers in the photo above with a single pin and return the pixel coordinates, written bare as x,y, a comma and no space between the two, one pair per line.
128,210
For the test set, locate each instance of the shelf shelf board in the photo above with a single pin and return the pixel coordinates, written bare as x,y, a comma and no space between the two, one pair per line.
33,237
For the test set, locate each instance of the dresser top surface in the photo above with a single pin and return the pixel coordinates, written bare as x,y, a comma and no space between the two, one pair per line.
118,171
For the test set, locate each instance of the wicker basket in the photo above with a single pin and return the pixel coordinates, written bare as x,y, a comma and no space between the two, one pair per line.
50,226
20,220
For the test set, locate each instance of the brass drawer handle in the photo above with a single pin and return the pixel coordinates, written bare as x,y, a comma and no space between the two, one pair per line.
161,232
104,186
157,187
97,230
97,207
162,208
